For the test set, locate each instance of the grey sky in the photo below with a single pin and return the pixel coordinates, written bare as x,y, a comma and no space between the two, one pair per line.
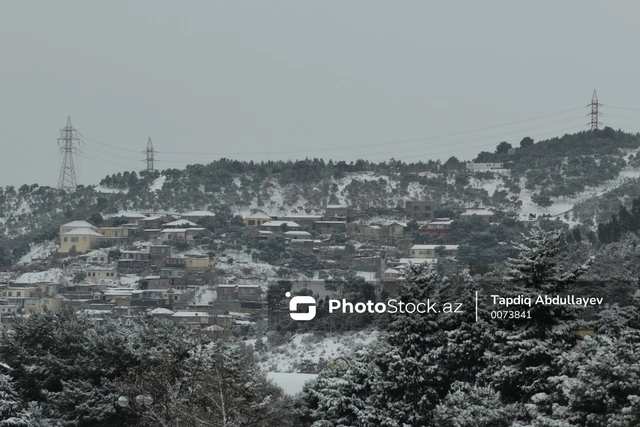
259,78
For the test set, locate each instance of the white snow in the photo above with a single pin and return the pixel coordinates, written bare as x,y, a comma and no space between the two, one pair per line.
289,382
158,183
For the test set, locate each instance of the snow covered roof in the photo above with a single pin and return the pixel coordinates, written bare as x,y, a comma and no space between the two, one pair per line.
79,224
189,314
181,222
290,224
418,260
297,233
431,247
151,218
479,212
39,277
82,232
181,230
375,227
132,215
337,206
198,213
161,310
258,215
637,294
391,271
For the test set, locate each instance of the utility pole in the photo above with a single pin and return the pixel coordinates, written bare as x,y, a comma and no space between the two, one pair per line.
68,136
594,110
150,153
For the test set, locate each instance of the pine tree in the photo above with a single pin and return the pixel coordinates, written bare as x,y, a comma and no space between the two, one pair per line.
525,350
598,386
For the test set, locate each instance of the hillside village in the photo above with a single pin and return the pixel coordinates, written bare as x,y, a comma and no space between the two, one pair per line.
160,263
211,267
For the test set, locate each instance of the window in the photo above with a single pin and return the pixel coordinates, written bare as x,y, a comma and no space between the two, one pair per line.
427,208
10,294
416,208
225,291
252,222
103,233
65,239
74,239
84,239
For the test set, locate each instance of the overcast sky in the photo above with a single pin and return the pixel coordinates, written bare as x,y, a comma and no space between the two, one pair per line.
295,79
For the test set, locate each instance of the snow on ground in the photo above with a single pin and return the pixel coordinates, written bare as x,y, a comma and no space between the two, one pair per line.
561,205
158,183
289,382
311,348
101,189
39,251
53,275
204,295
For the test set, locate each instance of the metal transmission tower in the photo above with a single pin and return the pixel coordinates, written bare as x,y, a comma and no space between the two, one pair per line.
149,152
594,110
68,136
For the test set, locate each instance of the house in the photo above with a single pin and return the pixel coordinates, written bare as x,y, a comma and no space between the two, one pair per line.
303,220
196,216
181,223
298,235
256,219
279,226
338,213
390,275
131,217
329,227
198,262
438,226
370,232
396,229
483,167
120,232
226,292
73,225
433,251
79,240
420,209
248,292
101,273
153,222
190,234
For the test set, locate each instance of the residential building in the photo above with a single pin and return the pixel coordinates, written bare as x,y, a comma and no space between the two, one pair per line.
329,227
279,226
483,167
79,240
73,225
483,213
433,251
438,226
256,219
421,209
196,216
303,220
338,213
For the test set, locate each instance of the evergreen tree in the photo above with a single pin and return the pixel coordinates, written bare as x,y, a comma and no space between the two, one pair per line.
526,350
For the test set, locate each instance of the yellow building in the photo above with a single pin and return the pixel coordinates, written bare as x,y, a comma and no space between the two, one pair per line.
433,251
82,239
113,232
64,228
198,263
256,219
53,305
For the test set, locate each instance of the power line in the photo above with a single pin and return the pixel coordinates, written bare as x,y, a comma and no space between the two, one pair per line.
67,178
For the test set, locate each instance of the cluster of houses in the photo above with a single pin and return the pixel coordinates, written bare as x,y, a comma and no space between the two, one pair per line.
152,277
